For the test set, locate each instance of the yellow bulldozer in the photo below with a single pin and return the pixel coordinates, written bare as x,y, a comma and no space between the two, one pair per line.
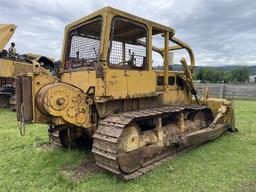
12,64
108,96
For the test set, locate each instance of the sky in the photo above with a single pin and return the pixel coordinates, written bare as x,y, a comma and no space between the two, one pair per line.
221,32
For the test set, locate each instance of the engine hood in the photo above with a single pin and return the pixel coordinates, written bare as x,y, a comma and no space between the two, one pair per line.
6,32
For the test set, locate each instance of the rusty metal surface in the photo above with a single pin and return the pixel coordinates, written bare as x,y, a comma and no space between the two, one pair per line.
27,99
18,86
108,135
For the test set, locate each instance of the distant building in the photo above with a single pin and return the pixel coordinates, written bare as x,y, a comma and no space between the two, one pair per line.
252,78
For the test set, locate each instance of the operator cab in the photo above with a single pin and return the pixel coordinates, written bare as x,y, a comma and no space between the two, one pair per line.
113,42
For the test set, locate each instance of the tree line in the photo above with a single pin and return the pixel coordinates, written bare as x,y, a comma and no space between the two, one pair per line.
212,75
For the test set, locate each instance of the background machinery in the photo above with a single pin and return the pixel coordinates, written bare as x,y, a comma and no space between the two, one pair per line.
11,65
108,96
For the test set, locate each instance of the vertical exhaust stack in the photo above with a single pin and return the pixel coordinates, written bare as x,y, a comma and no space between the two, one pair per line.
18,86
24,99
27,99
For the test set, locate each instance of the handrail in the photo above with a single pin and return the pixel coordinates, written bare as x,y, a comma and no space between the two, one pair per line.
185,46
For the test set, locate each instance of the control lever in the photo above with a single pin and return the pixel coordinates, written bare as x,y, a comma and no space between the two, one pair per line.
189,78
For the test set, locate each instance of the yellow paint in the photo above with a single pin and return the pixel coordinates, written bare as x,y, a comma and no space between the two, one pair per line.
166,59
140,82
6,32
82,79
216,103
9,68
63,100
176,97
130,139
6,68
115,85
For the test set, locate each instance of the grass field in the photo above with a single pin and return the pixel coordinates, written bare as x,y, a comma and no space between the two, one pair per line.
227,164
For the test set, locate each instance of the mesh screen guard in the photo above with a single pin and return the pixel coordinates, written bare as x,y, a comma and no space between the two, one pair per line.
84,45
125,49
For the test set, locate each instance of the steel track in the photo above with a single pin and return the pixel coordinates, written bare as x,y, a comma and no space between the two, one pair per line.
108,134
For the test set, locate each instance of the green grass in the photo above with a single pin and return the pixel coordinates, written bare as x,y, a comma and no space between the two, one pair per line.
227,164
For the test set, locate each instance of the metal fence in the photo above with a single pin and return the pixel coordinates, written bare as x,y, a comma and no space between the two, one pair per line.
238,91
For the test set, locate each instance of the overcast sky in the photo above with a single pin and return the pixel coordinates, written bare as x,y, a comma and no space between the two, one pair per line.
219,31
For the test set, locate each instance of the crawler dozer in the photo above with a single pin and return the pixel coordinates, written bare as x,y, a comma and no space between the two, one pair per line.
108,96
11,65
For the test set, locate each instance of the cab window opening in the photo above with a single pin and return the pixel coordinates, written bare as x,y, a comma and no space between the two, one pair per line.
128,44
84,45
157,45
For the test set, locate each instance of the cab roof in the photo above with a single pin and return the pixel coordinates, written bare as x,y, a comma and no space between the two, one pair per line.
112,11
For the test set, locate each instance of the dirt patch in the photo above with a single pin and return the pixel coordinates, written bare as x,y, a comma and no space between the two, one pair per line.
248,187
81,170
49,146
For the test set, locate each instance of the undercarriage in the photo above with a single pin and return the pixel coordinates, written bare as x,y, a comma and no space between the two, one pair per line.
132,143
